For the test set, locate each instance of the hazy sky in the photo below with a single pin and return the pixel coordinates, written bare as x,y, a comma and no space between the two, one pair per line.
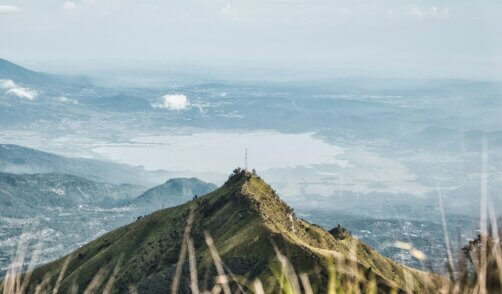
451,38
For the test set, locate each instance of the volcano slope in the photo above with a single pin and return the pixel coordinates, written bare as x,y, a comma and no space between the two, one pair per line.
241,237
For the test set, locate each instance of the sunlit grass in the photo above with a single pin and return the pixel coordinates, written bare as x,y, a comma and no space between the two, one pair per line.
344,275
478,272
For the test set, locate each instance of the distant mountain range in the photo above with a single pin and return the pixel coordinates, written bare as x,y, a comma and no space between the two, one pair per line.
173,192
31,179
23,160
226,240
26,195
38,194
11,71
22,75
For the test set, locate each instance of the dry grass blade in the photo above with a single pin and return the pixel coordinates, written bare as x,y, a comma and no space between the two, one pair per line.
496,250
216,289
445,230
354,269
31,266
288,271
40,288
193,267
239,282
409,282
481,282
183,253
217,262
258,287
18,269
332,281
444,289
74,288
306,283
96,281
132,289
12,278
111,280
61,274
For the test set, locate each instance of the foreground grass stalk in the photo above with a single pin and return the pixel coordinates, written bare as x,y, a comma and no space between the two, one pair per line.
96,281
288,273
222,278
306,283
332,280
483,224
193,267
109,285
183,253
258,287
61,274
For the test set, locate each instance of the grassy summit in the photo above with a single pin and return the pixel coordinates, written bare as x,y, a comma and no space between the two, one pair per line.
247,227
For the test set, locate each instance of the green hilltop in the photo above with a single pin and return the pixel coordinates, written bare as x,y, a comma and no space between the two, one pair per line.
255,235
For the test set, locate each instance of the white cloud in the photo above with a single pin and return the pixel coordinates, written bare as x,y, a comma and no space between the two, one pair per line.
430,12
67,100
7,84
69,5
23,93
172,102
13,89
8,9
229,11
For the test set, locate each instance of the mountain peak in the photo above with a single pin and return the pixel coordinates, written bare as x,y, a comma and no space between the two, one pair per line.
239,174
262,197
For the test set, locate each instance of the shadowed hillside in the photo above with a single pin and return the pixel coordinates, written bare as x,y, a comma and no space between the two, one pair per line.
29,195
227,239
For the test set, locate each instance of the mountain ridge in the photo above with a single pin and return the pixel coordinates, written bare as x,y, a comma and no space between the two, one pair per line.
24,160
252,230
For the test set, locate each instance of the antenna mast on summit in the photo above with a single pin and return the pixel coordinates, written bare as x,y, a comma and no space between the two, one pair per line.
246,160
